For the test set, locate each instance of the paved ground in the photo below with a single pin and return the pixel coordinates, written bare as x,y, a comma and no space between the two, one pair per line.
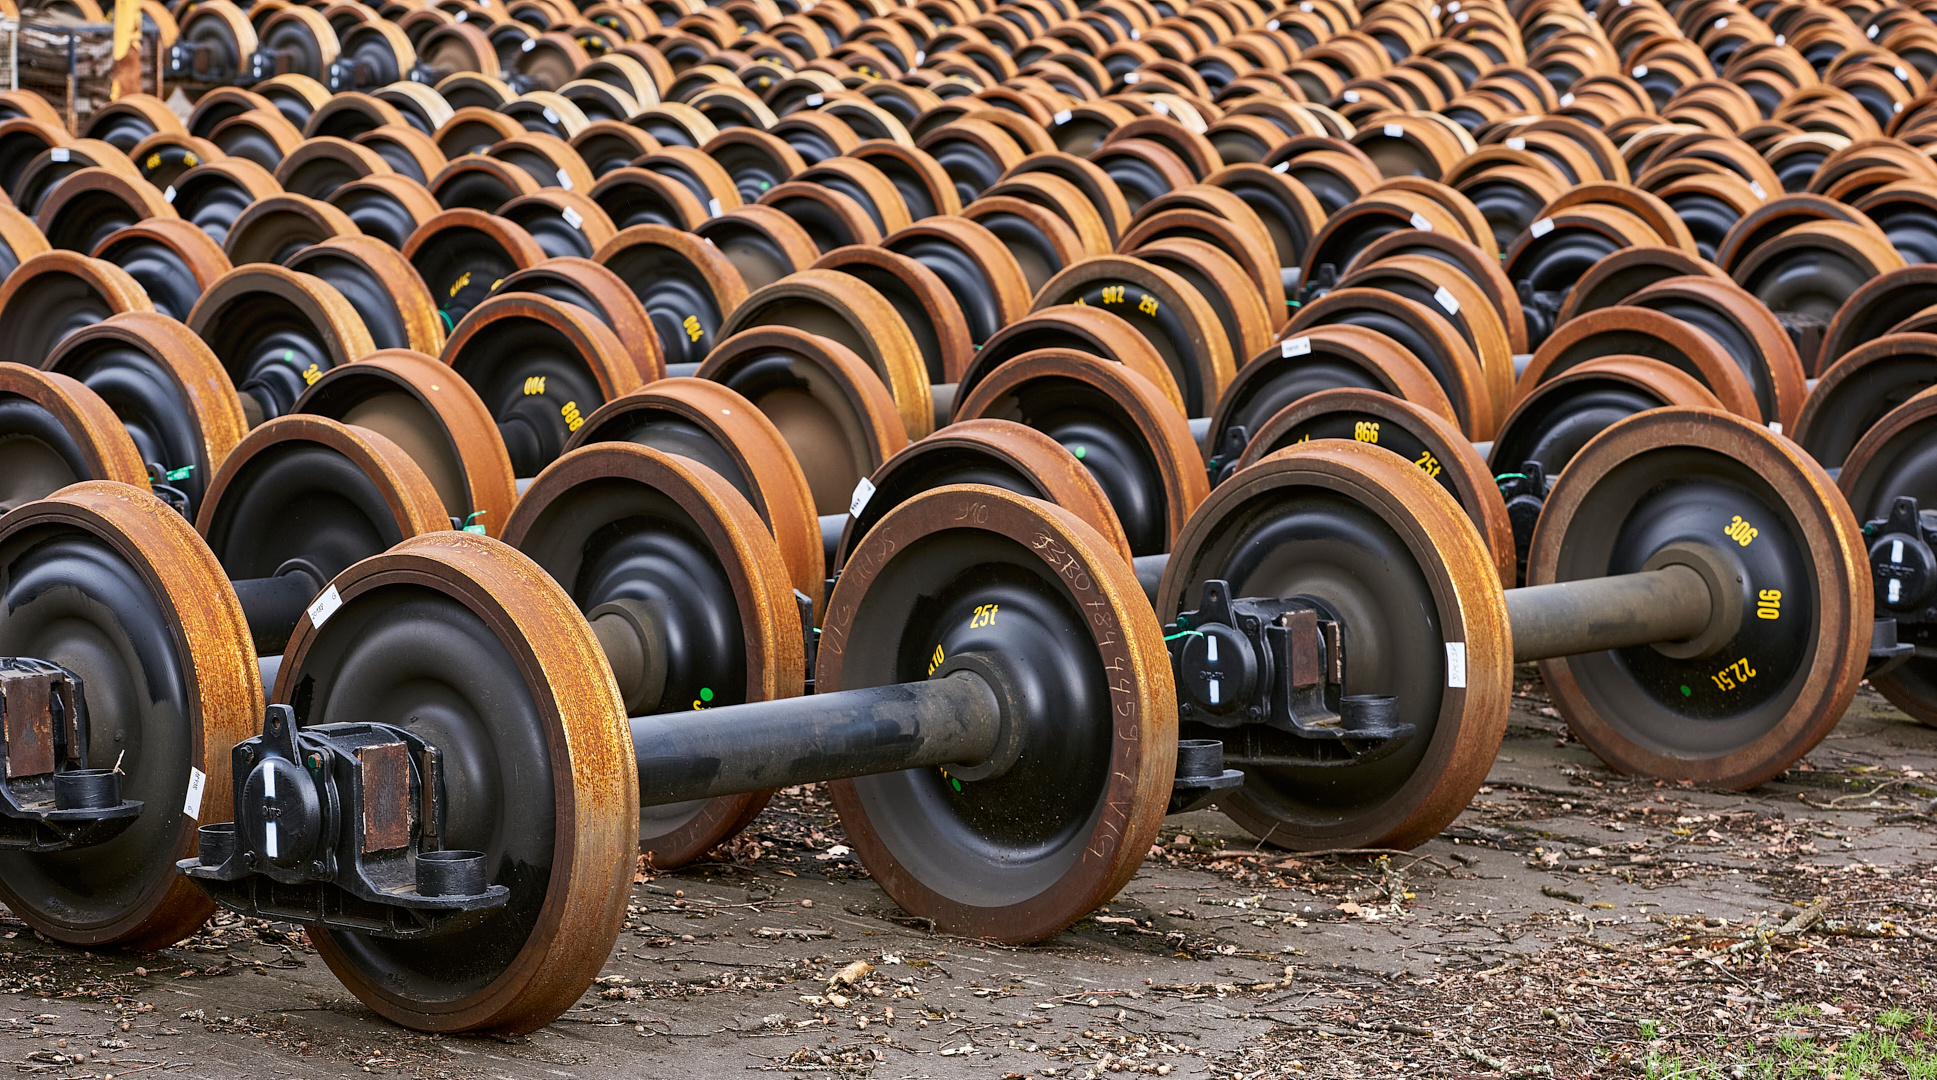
1572,923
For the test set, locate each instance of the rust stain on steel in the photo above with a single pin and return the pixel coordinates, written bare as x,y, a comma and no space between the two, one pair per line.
385,770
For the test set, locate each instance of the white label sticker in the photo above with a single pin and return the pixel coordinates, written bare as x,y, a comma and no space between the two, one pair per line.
1421,224
1641,72
564,181
1282,166
1298,346
1757,188
713,207
1433,12
551,117
1901,74
814,100
1456,665
60,153
920,57
1272,25
169,195
1565,100
573,217
1447,301
1131,78
528,45
1516,143
1136,36
1351,95
1781,40
863,491
1063,117
1872,31
1896,106
197,780
1160,108
1394,131
1722,23
1461,17
324,606
1542,227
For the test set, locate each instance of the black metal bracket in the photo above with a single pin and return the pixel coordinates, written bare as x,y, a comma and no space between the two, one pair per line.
1276,663
1903,569
339,825
49,799
1201,775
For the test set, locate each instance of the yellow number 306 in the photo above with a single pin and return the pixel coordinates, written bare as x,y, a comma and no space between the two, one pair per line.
1739,531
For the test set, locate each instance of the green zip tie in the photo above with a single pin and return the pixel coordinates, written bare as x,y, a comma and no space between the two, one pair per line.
1509,476
182,473
446,316
1184,633
470,528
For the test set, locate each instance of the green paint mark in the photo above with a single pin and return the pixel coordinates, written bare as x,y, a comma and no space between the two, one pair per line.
1686,692
289,356
954,783
705,693
1081,453
765,184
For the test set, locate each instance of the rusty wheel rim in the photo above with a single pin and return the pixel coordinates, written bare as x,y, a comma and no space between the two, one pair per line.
1423,330
273,229
712,424
831,304
159,567
834,412
462,255
925,304
396,307
579,281
1562,414
1612,280
687,286
64,434
541,367
1321,358
1067,568
626,522
1117,423
1631,331
171,259
1429,442
995,453
436,419
1663,476
516,621
1857,391
55,293
1163,307
276,331
1270,530
166,389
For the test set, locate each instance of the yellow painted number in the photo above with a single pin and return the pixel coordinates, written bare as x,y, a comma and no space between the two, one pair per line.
1113,294
1147,305
1733,675
935,661
984,616
692,326
462,280
311,374
1366,431
534,385
154,160
1768,604
572,418
1740,531
1427,463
